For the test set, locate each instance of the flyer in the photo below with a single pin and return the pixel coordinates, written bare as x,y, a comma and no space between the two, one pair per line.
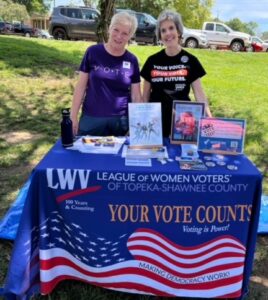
221,135
145,125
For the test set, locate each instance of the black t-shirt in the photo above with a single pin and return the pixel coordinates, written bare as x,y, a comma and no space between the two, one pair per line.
171,78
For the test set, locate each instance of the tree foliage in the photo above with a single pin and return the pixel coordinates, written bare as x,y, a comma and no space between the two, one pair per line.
265,35
37,6
10,11
106,8
237,25
90,3
193,12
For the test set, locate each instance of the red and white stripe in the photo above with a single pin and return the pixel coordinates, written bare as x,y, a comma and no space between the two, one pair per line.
161,267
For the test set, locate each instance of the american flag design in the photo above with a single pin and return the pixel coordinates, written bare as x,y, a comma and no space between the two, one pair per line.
221,128
143,261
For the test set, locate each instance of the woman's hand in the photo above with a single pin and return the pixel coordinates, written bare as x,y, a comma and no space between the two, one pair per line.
79,93
75,125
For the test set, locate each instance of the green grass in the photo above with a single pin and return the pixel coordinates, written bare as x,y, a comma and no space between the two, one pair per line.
37,79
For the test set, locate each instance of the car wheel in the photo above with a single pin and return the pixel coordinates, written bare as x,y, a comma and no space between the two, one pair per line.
191,43
236,46
59,34
27,34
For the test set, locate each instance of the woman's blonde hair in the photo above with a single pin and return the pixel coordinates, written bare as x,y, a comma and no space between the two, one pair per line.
124,18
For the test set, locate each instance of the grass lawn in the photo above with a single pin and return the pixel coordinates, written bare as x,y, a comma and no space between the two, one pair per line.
37,79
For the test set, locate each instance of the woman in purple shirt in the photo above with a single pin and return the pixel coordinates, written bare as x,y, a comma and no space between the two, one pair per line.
109,79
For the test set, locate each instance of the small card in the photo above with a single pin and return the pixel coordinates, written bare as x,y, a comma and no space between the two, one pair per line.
146,162
189,151
156,152
195,165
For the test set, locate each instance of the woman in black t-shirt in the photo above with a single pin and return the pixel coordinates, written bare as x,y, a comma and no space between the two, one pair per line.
170,73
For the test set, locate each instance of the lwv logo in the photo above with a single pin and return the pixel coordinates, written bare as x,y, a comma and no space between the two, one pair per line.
66,178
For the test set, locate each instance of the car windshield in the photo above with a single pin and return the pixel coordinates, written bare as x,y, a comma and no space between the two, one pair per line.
151,19
256,39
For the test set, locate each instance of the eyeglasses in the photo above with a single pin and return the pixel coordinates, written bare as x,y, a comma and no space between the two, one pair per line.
170,28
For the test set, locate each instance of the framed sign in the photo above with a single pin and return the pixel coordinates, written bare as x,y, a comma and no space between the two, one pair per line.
185,121
220,135
145,125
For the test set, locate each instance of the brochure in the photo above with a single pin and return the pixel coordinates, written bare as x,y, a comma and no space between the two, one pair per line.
140,162
145,125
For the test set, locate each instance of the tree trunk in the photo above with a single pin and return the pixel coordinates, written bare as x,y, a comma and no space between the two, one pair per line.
107,11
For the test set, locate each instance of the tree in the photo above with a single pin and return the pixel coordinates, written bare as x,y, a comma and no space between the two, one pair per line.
153,7
10,11
90,3
194,12
251,28
238,25
107,10
37,6
265,35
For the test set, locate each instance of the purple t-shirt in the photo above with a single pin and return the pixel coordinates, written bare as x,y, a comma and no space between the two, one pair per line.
110,78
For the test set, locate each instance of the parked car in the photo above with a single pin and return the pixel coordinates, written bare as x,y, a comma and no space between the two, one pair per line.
24,30
145,32
74,23
43,34
17,29
5,27
194,39
254,47
259,41
219,35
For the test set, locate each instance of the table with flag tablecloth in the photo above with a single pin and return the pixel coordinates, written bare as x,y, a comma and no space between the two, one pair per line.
155,230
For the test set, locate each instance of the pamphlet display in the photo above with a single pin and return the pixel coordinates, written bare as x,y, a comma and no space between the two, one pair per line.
185,120
99,144
221,135
145,125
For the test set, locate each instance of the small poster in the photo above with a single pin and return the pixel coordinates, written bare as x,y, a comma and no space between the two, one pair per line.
145,125
221,135
185,120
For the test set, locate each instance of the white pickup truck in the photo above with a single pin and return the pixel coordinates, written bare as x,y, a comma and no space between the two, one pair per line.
194,39
220,35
